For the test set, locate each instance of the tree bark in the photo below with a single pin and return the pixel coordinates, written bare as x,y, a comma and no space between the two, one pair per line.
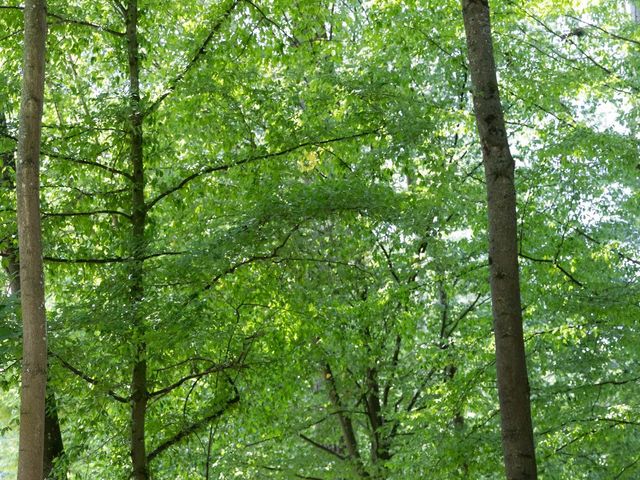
635,10
513,386
34,352
53,446
348,432
139,390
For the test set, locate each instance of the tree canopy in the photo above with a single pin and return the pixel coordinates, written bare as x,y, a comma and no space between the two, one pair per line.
264,229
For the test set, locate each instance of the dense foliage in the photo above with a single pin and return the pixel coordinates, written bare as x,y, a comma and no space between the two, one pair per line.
315,239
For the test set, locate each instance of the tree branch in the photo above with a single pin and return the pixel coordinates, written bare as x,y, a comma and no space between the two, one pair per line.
555,264
273,254
85,260
194,60
72,21
192,428
213,369
90,163
227,166
322,447
85,214
110,259
87,378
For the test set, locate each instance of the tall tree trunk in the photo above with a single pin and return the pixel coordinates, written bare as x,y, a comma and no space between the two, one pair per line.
53,446
634,7
53,451
34,337
139,391
513,386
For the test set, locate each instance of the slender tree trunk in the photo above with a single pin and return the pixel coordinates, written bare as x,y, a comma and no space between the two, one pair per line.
513,386
139,391
53,446
348,432
34,339
634,7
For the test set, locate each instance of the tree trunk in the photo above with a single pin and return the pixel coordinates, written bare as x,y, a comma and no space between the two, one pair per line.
34,352
348,432
513,386
53,446
635,10
139,391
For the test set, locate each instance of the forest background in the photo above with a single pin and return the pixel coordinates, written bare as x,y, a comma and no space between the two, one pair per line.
307,282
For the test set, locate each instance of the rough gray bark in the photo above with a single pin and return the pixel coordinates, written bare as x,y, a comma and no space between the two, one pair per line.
34,353
513,386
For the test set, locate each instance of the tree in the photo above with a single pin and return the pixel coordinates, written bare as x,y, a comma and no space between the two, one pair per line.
34,354
313,205
499,166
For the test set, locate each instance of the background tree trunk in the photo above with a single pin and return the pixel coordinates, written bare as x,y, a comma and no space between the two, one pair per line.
513,386
139,391
34,354
634,7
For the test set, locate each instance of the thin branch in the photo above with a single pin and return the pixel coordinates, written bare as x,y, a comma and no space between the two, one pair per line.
192,428
173,84
387,256
213,369
90,163
294,41
322,447
85,260
88,379
327,261
271,255
265,156
465,312
555,264
110,259
617,252
86,214
607,32
72,21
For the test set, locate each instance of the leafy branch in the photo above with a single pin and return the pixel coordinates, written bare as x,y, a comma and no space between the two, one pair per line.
88,378
255,158
173,84
73,21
